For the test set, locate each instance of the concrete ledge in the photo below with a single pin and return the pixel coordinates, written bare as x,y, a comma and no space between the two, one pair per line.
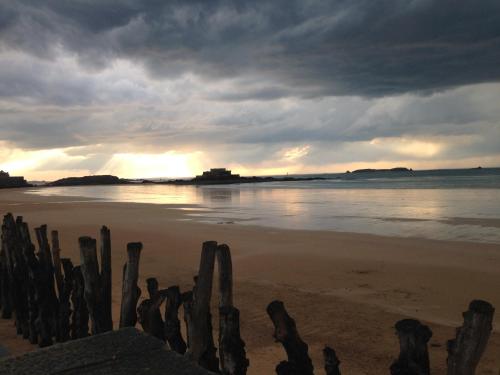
123,352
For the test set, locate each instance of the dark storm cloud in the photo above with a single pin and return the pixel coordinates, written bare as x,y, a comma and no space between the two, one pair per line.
312,48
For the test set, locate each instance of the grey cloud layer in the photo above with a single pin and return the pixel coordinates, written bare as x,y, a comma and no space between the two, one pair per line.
311,48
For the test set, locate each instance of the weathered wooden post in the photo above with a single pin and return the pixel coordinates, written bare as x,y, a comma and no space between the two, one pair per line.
47,298
130,290
56,256
413,357
465,351
64,301
173,333
90,272
106,283
231,347
35,284
331,361
80,316
286,333
200,336
7,275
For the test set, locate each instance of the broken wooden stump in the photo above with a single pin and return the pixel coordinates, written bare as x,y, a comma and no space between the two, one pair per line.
331,361
413,357
465,351
286,333
148,311
105,278
172,326
130,290
232,352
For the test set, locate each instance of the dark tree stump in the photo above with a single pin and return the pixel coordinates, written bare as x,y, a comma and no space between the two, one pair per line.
173,333
465,351
331,361
286,333
130,290
106,282
413,357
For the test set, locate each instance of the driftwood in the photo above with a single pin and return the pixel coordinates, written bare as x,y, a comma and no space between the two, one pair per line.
331,361
413,357
173,333
130,290
465,351
80,316
286,333
201,348
105,278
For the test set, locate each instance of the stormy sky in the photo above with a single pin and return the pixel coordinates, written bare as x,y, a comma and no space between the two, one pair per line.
170,88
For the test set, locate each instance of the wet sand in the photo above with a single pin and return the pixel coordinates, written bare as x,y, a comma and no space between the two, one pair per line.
343,289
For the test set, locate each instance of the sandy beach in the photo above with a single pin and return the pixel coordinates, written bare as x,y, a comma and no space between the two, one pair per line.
343,289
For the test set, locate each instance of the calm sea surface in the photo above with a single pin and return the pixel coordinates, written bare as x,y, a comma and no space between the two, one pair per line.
450,204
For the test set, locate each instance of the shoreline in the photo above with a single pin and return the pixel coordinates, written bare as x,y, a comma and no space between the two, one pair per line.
343,289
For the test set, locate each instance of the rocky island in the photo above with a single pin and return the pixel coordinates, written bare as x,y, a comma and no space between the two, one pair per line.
217,176
89,180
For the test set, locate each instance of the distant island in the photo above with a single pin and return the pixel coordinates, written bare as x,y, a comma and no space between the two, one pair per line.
370,170
89,180
217,176
6,181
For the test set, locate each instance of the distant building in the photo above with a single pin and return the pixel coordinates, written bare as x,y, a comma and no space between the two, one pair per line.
6,181
216,174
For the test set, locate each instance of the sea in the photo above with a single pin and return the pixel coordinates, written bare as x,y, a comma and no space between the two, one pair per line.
453,204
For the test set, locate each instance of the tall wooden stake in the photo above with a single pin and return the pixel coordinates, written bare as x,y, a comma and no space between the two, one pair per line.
130,290
106,282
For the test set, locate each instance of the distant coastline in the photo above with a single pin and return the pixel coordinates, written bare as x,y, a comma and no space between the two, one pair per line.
226,178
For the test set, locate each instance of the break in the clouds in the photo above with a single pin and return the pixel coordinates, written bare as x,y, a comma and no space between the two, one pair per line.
298,86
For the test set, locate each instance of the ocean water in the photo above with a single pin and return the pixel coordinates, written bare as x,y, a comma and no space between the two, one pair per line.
461,205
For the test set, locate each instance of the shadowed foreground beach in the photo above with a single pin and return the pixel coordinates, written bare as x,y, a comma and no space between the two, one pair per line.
345,290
